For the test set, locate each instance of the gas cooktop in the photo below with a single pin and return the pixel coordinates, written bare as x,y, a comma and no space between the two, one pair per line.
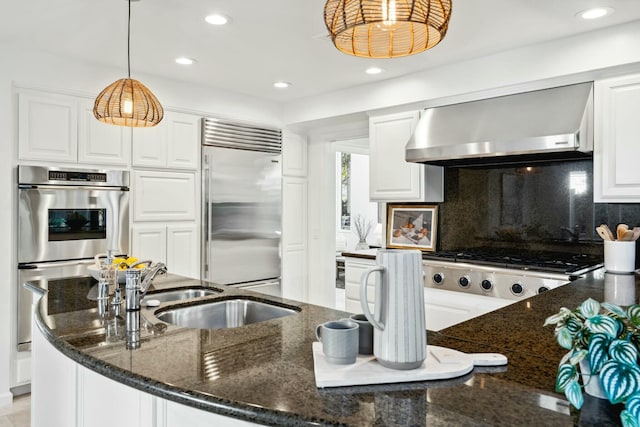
555,262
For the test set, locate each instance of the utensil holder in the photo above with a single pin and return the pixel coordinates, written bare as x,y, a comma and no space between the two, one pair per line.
620,256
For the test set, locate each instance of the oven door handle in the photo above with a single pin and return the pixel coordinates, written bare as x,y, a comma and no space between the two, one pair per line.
56,264
70,187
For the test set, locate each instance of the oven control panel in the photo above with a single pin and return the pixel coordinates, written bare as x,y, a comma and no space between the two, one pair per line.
489,281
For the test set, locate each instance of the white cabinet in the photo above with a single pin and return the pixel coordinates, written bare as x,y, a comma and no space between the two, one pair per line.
47,127
617,140
391,178
294,217
174,143
177,245
353,270
61,128
99,142
164,196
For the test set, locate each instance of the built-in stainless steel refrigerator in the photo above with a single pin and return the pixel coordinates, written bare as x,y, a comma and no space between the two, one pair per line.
242,205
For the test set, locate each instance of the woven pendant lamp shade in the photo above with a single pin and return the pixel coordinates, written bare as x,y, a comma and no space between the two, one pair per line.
127,102
386,28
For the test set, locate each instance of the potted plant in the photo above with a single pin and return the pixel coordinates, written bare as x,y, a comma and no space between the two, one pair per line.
602,338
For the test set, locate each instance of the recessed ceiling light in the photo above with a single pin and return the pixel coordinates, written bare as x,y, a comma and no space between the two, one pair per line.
373,70
185,61
595,13
216,19
281,85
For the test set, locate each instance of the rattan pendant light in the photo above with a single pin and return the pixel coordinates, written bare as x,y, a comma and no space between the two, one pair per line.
127,102
386,28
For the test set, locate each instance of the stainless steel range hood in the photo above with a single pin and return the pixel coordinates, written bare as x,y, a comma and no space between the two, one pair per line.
543,125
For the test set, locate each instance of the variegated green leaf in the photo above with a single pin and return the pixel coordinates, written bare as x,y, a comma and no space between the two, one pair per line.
555,318
632,406
573,393
604,325
615,309
623,351
577,356
633,313
566,374
628,420
619,380
573,324
590,308
565,338
598,353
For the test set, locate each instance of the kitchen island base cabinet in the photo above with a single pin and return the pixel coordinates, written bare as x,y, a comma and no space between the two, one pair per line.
66,394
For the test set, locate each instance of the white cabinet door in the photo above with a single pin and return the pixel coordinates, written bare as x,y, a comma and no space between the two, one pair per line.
164,196
149,242
174,143
617,140
294,154
183,250
150,146
183,142
47,127
102,143
353,270
294,238
391,178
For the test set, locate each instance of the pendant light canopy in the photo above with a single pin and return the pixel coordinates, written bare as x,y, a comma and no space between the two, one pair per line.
386,28
127,102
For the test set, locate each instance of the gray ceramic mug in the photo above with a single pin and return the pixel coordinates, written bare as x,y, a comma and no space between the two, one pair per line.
365,333
339,340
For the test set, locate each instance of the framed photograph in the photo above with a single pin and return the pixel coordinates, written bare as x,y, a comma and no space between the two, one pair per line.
412,226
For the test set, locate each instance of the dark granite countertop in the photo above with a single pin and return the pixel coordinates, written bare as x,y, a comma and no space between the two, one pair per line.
264,372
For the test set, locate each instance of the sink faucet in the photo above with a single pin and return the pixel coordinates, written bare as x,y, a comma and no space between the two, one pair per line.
135,288
574,233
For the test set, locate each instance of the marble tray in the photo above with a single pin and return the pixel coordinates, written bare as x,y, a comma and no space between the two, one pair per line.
441,363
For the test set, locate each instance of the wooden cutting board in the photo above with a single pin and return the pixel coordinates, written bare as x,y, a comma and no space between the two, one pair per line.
441,363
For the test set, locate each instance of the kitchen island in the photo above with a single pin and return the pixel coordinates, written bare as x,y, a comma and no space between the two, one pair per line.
263,373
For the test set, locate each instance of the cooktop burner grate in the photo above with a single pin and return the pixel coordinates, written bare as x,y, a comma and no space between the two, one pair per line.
556,262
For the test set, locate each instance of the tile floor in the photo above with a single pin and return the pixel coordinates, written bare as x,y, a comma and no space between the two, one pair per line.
18,414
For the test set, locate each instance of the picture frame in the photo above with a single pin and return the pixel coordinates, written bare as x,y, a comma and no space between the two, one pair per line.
412,226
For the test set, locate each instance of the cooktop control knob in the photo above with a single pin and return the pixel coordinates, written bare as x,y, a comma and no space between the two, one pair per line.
486,284
542,289
464,281
438,278
517,289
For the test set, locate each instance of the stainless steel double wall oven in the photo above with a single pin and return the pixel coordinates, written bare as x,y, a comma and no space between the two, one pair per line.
65,217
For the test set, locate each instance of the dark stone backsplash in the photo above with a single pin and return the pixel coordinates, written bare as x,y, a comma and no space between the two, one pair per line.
541,207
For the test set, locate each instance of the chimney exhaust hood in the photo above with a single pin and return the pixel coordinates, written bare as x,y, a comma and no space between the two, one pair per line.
543,125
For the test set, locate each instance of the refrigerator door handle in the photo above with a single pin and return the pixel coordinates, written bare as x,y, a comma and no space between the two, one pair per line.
206,216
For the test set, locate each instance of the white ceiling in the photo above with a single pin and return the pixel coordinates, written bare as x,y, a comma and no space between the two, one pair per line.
269,40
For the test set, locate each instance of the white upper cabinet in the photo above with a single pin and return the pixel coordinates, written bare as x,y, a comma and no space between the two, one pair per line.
617,140
164,196
47,127
294,154
61,128
391,178
174,143
101,142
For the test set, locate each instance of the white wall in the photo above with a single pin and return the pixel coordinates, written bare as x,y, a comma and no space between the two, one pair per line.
44,71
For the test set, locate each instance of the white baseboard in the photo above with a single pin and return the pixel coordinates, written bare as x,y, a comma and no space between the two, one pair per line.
6,399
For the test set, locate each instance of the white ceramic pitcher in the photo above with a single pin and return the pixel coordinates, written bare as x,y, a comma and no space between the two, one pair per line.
399,337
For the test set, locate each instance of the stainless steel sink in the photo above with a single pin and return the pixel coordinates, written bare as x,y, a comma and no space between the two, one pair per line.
179,294
220,314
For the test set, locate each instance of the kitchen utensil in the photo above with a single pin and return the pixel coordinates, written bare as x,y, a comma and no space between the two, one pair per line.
620,230
365,333
619,256
627,236
399,337
603,233
608,231
636,233
339,341
442,363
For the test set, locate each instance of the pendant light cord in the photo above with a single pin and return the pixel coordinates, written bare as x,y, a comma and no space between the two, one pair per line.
129,42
